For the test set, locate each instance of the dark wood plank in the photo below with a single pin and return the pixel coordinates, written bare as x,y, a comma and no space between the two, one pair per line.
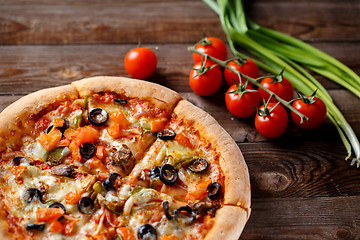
300,169
42,22
304,218
309,20
24,69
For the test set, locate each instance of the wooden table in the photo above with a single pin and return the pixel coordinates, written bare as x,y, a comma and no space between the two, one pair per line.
301,186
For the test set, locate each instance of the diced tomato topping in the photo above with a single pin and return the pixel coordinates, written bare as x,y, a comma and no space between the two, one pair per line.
56,226
73,196
158,125
184,140
48,214
51,139
120,119
85,134
114,130
197,191
125,233
101,152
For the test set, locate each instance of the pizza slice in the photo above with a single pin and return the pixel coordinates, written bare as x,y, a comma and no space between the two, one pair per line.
196,162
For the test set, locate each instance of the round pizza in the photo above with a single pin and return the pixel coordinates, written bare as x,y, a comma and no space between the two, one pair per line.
118,158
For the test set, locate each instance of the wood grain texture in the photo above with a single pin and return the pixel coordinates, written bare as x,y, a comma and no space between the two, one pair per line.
304,218
24,69
42,22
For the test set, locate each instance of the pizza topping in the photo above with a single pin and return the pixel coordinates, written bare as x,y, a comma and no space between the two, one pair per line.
98,117
56,155
86,205
87,150
19,160
109,183
123,158
203,208
198,165
166,134
58,205
120,101
213,190
147,232
60,123
168,174
48,214
63,170
185,215
34,226
154,172
166,210
31,194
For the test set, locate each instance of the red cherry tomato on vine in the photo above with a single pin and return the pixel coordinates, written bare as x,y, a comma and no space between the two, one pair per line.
205,80
283,89
140,62
212,46
249,68
273,124
314,109
245,106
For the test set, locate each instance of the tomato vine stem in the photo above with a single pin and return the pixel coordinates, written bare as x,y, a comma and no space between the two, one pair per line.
254,81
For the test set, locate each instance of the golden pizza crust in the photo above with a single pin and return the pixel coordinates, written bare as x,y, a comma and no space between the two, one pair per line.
15,120
237,180
229,223
161,96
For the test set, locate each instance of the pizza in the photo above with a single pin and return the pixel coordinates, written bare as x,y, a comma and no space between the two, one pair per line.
118,158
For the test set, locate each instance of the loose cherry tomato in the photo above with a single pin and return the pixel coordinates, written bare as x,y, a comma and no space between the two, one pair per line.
278,85
313,108
245,105
212,46
205,79
140,62
271,122
247,67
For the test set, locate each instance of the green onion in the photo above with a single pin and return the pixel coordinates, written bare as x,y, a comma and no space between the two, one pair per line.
279,51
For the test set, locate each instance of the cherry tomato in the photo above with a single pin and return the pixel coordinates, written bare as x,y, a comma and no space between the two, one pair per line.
205,80
249,68
140,62
212,46
245,106
314,109
283,89
273,124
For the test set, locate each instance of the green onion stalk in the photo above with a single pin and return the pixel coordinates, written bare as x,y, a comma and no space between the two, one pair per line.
278,51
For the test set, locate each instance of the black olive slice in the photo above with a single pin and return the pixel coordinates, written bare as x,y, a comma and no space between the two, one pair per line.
185,214
109,182
198,165
166,134
18,160
120,101
98,117
167,210
62,129
147,232
168,174
87,150
34,226
31,194
154,172
85,205
213,190
58,205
